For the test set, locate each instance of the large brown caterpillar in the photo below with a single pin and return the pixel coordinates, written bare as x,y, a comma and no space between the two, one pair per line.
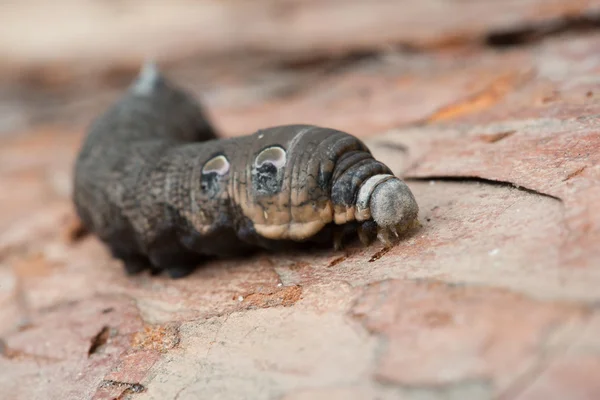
157,186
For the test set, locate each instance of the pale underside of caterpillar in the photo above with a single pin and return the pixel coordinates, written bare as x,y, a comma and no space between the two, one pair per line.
163,192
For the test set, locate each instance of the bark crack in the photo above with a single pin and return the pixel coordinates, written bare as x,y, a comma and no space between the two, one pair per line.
477,179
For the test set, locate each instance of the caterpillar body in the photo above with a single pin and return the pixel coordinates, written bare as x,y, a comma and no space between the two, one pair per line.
155,183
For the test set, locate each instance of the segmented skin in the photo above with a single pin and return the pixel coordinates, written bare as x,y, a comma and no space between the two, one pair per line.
162,191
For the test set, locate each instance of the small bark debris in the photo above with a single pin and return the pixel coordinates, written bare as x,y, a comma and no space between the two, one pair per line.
157,337
99,340
281,296
379,254
496,137
129,387
336,261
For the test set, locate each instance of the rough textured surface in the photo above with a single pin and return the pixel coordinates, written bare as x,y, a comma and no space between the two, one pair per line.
496,296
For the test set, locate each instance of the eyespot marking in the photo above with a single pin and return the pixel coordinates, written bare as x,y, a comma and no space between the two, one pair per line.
212,172
275,155
219,165
268,171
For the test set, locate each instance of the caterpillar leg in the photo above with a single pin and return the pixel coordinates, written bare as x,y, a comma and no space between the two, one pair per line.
367,232
174,259
181,271
342,232
175,264
338,240
133,263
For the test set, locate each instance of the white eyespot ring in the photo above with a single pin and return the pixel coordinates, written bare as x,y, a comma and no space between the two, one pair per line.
218,164
274,155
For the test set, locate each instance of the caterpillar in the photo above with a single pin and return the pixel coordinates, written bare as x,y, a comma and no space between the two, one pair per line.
155,183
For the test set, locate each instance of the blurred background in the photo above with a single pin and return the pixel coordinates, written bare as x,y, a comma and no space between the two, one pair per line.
63,61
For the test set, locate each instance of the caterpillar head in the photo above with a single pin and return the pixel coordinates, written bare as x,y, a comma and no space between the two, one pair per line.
390,203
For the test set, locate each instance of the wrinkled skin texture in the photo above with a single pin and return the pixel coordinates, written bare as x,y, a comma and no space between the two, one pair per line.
154,183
